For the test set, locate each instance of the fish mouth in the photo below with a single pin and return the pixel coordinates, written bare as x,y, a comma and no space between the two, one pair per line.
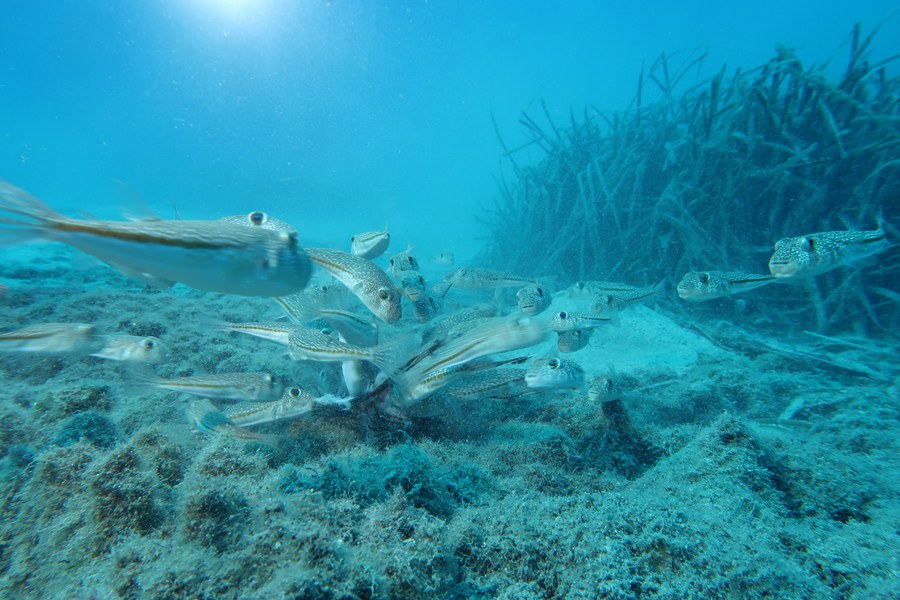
413,295
783,268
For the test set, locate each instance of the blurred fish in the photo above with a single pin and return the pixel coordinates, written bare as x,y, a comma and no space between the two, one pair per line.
413,285
206,255
274,331
369,283
554,373
533,299
253,387
474,278
460,321
426,308
444,259
494,383
354,328
51,337
603,388
370,244
591,289
816,253
566,320
573,341
610,301
131,348
698,286
259,219
403,261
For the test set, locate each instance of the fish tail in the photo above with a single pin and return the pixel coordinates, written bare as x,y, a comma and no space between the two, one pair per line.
392,356
32,214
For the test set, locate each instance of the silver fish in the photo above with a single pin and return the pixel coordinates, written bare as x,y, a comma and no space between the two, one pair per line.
295,402
474,278
426,308
533,299
444,259
252,387
206,255
816,253
274,331
203,415
603,388
566,320
611,301
461,320
554,373
403,261
698,286
131,348
261,219
369,283
371,244
495,383
354,328
51,337
306,343
591,289
413,285
573,341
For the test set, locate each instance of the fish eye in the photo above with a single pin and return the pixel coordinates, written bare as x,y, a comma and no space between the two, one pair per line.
384,294
294,392
421,280
431,300
352,239
392,262
553,363
563,315
808,244
703,277
540,292
149,344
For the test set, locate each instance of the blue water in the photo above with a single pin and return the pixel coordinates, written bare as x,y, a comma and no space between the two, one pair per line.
343,115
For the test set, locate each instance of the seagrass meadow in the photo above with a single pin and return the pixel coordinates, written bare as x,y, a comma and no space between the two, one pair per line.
709,176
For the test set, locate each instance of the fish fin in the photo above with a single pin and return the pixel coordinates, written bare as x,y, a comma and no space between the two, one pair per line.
298,308
19,202
393,355
203,415
135,207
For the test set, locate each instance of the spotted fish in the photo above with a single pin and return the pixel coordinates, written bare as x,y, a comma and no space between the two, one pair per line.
369,283
698,286
370,244
816,253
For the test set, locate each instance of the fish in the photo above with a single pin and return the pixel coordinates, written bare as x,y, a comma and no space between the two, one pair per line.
52,337
413,285
817,253
370,244
258,218
603,388
368,282
295,402
203,415
611,300
205,255
554,373
475,278
403,261
533,299
573,341
698,286
461,320
251,387
274,331
354,328
420,383
131,348
307,343
494,383
566,320
591,289
444,259
426,308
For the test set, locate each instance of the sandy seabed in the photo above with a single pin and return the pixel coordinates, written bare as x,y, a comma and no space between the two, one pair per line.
736,464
